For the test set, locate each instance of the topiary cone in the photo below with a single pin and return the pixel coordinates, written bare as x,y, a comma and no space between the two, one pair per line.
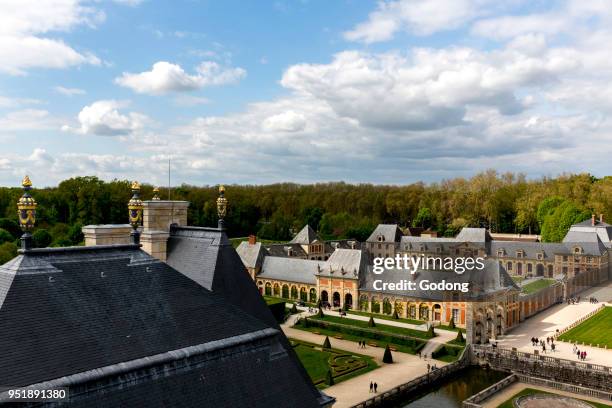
326,343
329,378
371,322
387,357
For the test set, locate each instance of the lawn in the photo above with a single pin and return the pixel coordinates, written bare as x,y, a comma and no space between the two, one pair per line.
386,317
595,330
537,285
530,391
344,365
383,328
448,352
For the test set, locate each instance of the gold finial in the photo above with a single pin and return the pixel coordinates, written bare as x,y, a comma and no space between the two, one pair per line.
156,194
26,211
135,207
221,207
26,182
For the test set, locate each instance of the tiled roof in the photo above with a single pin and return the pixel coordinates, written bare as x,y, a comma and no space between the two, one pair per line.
251,254
290,269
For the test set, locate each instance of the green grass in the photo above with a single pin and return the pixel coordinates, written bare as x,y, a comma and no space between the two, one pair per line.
236,241
383,328
530,391
385,317
537,285
444,354
351,337
595,330
272,300
318,361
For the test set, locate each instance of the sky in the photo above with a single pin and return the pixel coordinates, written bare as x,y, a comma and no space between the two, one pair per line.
258,92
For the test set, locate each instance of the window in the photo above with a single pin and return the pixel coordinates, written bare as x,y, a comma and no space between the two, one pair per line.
565,269
455,315
500,252
577,250
529,268
540,256
519,254
564,258
379,246
509,266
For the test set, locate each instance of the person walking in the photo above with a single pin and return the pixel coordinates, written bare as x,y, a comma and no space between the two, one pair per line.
371,386
375,388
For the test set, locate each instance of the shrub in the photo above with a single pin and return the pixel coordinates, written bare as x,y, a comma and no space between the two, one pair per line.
431,331
451,324
320,314
5,236
460,338
42,238
294,309
329,378
387,357
8,251
371,322
326,343
395,315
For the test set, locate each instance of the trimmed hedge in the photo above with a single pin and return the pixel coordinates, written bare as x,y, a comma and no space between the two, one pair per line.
446,351
413,343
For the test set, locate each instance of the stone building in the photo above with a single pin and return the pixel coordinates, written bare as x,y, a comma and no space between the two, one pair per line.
117,326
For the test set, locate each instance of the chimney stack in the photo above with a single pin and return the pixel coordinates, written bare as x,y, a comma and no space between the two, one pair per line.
601,218
593,219
252,239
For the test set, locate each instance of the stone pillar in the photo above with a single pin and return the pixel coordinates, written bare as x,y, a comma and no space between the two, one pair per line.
155,243
110,234
157,217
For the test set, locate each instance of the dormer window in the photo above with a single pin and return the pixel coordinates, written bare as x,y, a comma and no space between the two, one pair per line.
500,252
381,238
577,250
439,249
540,256
520,253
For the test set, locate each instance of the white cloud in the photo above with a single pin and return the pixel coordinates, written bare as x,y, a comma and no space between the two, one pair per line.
69,91
421,17
27,119
166,77
190,100
22,22
287,121
104,118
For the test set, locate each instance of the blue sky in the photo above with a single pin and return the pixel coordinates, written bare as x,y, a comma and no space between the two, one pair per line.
260,92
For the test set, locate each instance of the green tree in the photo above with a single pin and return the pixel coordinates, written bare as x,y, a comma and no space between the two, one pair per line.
558,222
8,251
41,238
423,218
5,236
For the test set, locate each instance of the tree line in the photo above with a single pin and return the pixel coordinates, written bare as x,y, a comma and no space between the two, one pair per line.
501,202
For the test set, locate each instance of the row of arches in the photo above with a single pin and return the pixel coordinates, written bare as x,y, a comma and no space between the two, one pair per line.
335,299
518,268
287,292
414,310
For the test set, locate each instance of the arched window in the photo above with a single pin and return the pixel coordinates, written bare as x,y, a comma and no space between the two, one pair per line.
268,289
313,295
285,292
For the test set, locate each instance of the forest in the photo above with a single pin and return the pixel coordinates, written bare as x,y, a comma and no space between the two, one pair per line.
501,202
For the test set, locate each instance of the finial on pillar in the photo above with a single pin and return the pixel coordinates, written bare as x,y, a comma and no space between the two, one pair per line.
26,210
156,194
221,207
135,207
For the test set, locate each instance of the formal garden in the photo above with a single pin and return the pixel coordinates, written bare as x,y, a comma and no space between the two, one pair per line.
327,366
547,399
374,334
596,330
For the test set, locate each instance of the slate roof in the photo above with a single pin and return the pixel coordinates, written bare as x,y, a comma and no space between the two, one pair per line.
390,233
72,314
489,281
290,269
530,249
602,229
473,235
351,261
306,236
251,254
282,250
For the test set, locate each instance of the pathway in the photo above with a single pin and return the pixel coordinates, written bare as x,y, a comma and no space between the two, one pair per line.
405,367
545,324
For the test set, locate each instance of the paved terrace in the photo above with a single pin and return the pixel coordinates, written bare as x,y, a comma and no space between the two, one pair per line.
405,367
545,324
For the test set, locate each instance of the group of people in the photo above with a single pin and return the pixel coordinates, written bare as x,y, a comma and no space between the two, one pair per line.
593,300
573,300
362,344
580,354
550,341
431,367
373,387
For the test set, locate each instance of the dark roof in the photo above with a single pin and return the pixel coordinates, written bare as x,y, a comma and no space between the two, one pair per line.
251,254
68,315
290,269
386,232
206,256
306,236
283,250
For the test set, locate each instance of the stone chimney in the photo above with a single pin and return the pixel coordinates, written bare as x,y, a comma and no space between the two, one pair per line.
252,239
158,216
109,234
593,219
601,218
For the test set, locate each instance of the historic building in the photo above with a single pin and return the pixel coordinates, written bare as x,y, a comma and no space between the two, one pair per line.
117,326
345,279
